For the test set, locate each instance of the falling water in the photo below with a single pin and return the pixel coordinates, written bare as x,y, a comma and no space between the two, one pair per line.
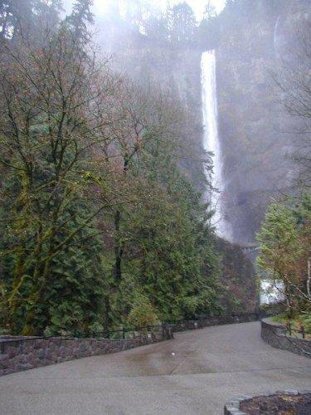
211,142
276,36
271,291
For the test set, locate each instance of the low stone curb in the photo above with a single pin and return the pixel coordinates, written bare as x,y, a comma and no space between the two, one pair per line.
275,335
233,407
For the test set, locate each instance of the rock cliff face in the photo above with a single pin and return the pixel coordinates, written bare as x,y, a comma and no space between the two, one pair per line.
152,62
256,132
250,127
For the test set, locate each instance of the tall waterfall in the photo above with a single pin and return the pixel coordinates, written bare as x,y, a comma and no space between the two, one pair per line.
276,38
211,142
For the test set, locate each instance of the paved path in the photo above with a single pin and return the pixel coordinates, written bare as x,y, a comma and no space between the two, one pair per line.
209,367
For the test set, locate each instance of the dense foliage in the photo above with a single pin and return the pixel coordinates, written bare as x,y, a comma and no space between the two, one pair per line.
101,224
285,241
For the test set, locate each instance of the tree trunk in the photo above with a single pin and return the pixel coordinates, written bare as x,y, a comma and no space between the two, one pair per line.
118,248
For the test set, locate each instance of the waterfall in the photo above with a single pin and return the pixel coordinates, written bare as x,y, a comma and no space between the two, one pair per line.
211,142
271,292
276,36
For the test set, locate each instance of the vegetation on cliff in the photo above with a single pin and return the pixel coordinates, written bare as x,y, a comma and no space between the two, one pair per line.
101,223
285,241
285,235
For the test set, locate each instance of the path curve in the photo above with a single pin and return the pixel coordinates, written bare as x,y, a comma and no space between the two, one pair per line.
195,374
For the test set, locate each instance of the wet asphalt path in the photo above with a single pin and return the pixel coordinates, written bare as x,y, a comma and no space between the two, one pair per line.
209,367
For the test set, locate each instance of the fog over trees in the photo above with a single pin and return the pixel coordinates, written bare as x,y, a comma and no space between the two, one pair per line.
105,215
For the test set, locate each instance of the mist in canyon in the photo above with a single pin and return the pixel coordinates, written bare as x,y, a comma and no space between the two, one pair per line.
246,127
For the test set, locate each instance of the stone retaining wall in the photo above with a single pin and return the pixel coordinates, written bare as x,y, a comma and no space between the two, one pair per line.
275,335
22,353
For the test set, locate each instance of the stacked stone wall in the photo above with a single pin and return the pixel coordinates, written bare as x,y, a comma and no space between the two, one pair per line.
22,353
276,335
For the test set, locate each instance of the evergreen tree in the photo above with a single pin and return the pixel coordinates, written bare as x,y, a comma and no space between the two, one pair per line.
169,252
27,17
99,224
80,19
46,129
181,23
285,248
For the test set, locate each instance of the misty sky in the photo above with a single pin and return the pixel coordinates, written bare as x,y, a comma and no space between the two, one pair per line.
198,6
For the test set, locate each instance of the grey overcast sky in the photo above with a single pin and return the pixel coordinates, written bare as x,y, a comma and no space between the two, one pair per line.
198,6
